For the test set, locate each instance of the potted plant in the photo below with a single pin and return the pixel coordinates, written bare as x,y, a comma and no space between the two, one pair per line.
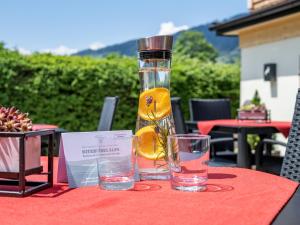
253,109
12,120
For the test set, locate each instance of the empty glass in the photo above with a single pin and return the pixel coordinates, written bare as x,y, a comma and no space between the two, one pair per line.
188,158
116,172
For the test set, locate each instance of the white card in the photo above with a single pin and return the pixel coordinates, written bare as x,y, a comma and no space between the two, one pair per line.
82,149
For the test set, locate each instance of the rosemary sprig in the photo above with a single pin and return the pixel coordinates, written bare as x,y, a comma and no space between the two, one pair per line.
162,131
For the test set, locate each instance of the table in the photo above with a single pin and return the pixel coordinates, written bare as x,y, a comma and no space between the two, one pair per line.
234,196
242,129
43,126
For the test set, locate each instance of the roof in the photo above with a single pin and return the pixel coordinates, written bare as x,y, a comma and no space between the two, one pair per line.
260,16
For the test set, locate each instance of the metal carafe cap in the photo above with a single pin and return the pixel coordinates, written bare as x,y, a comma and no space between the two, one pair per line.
161,42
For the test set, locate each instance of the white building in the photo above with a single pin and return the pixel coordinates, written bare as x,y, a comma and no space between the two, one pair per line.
270,53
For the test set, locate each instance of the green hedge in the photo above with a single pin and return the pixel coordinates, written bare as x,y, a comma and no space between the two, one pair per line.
69,91
193,79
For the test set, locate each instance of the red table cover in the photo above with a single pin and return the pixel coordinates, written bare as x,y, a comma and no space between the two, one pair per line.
36,127
206,126
234,196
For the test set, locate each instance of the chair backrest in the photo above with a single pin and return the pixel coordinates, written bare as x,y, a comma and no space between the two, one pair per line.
291,162
209,109
107,113
178,115
212,109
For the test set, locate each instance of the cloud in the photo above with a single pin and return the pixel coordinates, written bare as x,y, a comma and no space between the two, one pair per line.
60,50
96,45
23,51
170,28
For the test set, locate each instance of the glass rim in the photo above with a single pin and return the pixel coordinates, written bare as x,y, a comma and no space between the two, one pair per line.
190,136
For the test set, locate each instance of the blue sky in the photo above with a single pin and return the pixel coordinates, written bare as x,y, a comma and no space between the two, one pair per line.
65,26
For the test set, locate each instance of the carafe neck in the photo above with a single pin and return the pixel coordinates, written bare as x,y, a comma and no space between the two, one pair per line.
154,69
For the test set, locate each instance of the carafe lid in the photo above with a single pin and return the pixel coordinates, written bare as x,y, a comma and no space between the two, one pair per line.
160,42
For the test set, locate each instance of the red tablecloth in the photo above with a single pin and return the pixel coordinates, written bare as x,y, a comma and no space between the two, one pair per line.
234,196
36,127
206,126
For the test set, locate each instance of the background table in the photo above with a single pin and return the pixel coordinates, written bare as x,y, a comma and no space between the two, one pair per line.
243,128
234,196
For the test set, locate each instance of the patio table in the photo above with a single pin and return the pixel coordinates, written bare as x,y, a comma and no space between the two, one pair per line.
242,128
234,196
43,126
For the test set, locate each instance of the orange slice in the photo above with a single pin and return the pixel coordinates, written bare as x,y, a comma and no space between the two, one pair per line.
149,146
154,104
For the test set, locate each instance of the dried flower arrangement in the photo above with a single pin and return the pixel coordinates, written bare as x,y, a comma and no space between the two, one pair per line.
12,120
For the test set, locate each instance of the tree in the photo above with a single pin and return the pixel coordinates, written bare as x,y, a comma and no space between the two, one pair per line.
193,44
2,46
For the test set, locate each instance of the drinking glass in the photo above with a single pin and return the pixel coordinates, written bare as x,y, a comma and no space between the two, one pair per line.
116,172
188,158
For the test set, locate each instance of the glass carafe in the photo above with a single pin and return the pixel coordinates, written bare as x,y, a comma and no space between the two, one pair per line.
155,119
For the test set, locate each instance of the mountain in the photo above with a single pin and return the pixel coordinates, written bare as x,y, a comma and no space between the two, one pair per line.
227,46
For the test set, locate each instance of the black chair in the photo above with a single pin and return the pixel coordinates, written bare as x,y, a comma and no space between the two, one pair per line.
209,109
268,163
290,166
214,109
182,127
107,113
105,122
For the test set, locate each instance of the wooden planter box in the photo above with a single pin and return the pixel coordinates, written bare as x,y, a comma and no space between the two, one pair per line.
20,157
10,153
253,115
